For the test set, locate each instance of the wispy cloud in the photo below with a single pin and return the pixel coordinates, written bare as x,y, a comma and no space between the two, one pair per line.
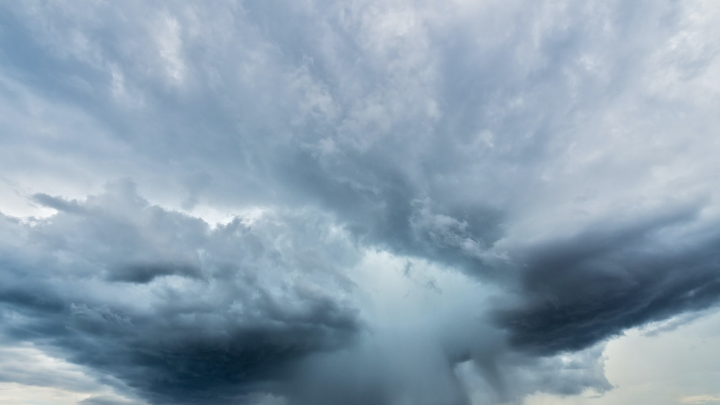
700,399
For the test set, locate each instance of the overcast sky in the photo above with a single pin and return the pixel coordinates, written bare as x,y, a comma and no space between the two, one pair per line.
371,202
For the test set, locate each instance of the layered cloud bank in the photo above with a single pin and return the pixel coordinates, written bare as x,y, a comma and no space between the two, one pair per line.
362,202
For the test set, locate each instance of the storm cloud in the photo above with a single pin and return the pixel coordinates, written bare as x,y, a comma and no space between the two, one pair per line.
174,309
364,202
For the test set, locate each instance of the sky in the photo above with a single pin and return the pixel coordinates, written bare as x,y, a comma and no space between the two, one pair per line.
461,202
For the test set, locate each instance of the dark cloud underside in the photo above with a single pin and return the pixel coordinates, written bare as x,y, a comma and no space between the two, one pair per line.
222,320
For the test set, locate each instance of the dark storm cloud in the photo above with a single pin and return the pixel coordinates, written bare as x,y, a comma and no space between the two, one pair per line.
227,320
146,272
58,203
588,287
379,207
505,141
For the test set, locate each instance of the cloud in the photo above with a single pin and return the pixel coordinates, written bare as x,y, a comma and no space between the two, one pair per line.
226,315
543,173
701,399
103,400
591,286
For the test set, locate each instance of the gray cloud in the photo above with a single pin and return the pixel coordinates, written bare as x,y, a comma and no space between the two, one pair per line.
557,154
226,317
585,288
100,400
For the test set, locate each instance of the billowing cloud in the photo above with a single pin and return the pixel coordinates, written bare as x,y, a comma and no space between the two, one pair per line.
176,310
380,202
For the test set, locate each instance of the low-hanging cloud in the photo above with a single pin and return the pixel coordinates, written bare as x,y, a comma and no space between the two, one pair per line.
177,310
